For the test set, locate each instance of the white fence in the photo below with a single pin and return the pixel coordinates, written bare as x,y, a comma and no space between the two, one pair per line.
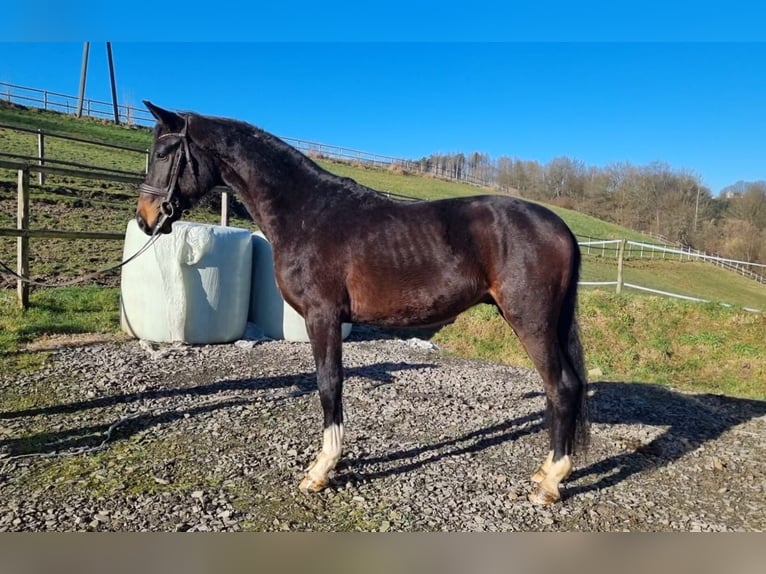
642,250
605,247
66,104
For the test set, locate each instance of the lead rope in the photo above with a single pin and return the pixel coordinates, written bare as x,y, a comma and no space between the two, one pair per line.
4,268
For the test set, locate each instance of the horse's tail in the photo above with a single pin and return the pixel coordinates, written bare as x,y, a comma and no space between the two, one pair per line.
569,337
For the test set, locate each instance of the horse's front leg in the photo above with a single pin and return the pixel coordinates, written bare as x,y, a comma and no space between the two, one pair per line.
325,336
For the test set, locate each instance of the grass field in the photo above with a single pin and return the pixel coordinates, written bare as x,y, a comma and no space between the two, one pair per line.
691,278
690,346
631,337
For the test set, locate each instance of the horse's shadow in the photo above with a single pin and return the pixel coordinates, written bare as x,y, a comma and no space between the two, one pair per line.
689,420
91,436
413,458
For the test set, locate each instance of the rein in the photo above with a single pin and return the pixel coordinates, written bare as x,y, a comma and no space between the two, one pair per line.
4,268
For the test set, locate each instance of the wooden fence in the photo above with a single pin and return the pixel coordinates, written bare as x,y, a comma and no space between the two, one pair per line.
23,233
42,160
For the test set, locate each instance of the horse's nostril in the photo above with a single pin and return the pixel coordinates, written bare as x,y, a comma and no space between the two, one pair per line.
142,225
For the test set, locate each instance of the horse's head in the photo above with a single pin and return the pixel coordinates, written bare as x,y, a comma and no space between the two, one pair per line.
180,172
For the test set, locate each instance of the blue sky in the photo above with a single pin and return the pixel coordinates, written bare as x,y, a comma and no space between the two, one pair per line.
698,106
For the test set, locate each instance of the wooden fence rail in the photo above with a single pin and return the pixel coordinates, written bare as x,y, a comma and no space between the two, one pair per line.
23,233
40,159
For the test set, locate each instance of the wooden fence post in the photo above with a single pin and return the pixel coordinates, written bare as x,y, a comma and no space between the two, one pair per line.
620,257
40,155
22,242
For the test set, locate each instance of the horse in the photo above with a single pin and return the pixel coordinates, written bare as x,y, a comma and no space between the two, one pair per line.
346,253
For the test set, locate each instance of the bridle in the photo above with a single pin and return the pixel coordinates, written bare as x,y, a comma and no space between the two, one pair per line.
170,203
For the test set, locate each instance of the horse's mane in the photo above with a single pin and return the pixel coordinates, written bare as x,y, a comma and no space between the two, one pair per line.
244,131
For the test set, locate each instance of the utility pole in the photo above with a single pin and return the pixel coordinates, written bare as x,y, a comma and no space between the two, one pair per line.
111,79
83,75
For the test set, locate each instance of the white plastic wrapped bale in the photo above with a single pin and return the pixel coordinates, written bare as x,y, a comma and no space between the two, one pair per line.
190,286
275,317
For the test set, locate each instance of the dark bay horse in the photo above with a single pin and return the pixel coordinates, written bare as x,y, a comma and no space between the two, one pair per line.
344,253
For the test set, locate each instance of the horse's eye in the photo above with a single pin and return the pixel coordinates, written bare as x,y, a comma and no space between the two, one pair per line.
161,155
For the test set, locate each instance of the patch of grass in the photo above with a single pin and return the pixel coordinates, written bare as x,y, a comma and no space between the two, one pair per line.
690,278
690,346
585,226
86,127
697,279
410,185
63,310
127,466
21,398
19,362
702,339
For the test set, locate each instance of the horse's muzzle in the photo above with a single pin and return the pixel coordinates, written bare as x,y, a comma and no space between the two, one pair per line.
165,226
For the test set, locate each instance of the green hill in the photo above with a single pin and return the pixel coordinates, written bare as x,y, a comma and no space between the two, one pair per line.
630,337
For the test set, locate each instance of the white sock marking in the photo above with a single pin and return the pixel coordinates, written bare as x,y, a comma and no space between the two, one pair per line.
333,440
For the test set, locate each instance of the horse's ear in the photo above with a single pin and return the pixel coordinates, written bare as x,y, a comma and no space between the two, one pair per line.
170,119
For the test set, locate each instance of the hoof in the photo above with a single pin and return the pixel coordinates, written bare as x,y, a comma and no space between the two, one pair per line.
309,485
543,497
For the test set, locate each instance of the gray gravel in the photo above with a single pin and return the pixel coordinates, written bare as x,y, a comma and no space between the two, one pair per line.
120,436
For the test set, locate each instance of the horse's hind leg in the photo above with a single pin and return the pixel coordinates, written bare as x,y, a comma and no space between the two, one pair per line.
562,390
325,335
562,416
563,398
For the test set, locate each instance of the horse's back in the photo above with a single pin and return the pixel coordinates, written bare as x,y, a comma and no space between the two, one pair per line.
502,233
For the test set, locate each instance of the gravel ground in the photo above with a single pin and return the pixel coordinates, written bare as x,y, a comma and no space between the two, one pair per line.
121,436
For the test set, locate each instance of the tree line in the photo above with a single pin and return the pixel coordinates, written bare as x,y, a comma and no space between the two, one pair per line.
655,198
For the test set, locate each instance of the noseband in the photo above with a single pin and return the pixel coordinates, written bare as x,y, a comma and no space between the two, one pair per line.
167,207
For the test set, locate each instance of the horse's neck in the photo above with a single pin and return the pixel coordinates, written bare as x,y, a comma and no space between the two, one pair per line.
275,183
